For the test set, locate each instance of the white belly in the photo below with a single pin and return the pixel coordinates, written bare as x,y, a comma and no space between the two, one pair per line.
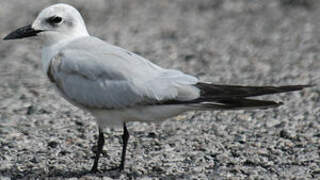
114,118
155,113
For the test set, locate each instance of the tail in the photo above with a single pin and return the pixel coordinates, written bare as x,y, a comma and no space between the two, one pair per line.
236,104
229,97
228,91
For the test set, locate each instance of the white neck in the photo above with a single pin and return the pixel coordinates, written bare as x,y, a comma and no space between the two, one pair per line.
49,50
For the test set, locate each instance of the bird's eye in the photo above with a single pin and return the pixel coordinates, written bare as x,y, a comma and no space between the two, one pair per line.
54,20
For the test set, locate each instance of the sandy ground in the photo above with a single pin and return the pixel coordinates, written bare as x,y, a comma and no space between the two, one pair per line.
225,41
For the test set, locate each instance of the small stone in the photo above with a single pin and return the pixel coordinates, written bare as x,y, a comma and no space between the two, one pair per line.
107,178
5,178
285,134
152,135
30,110
241,139
53,144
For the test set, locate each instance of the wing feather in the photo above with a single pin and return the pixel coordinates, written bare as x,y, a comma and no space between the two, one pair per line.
98,75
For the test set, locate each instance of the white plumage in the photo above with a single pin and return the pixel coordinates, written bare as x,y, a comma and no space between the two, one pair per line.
117,86
100,77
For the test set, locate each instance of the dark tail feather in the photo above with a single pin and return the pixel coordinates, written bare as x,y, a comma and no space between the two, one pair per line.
237,103
208,90
226,103
228,97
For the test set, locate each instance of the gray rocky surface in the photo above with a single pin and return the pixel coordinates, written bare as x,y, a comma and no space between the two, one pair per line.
248,42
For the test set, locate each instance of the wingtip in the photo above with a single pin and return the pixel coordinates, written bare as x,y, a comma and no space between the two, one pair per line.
5,38
274,105
310,85
280,103
300,87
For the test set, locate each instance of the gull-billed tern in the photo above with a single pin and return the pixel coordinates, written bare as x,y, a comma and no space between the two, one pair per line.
117,86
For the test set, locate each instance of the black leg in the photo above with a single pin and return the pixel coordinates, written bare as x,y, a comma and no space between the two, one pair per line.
125,138
99,151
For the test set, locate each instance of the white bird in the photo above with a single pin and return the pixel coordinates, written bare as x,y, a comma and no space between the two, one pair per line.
117,86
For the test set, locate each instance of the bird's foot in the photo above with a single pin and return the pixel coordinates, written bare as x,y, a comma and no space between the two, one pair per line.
94,170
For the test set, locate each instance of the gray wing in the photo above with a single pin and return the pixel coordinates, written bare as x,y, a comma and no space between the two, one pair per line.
95,74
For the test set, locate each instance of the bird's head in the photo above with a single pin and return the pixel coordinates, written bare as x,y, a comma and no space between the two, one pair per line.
54,24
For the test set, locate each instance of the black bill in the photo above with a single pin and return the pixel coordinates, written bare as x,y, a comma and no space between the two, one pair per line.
23,32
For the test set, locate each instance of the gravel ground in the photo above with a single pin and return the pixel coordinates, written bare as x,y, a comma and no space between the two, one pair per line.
225,41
